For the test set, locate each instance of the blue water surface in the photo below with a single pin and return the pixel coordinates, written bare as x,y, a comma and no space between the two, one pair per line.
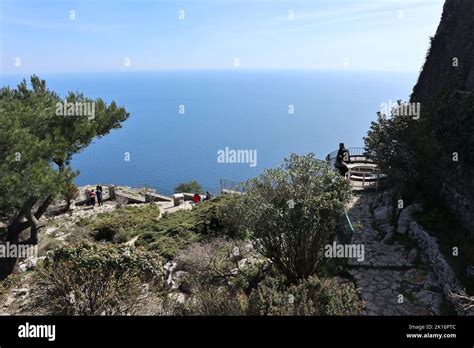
247,110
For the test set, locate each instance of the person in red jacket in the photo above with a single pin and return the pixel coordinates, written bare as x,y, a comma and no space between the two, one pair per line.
196,198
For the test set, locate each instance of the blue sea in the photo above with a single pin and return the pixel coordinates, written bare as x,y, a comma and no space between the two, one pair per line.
239,109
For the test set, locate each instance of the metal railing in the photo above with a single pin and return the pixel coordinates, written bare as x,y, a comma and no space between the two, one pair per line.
356,154
368,178
364,174
230,186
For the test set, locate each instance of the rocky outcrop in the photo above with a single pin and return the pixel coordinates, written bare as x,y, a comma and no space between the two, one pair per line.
443,271
405,217
384,213
121,195
454,39
458,195
383,208
449,68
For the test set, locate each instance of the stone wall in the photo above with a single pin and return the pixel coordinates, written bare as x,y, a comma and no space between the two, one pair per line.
438,264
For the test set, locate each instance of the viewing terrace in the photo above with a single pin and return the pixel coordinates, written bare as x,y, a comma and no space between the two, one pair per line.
363,173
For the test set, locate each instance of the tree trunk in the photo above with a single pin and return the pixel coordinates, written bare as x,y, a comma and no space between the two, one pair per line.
17,226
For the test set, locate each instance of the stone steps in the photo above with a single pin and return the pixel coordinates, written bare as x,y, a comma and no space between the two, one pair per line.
387,282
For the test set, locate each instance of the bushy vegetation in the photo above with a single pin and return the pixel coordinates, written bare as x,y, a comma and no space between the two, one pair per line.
251,254
312,296
10,282
126,220
417,154
171,232
218,262
291,213
36,147
420,156
215,300
229,278
408,153
97,279
220,277
70,193
189,187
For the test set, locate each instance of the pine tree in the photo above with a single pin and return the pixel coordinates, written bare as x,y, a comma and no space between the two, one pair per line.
36,146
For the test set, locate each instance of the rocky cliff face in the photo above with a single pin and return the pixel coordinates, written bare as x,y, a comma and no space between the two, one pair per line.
449,68
452,51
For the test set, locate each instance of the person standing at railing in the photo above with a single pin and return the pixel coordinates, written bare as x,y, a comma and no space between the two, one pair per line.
341,159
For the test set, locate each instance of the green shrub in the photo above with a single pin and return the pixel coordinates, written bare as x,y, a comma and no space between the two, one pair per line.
218,262
111,235
172,232
220,217
216,300
189,187
97,279
207,218
129,218
166,245
275,297
271,297
48,243
13,280
79,234
70,193
313,296
291,212
417,155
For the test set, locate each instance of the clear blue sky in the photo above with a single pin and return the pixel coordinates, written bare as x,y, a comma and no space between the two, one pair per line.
324,34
